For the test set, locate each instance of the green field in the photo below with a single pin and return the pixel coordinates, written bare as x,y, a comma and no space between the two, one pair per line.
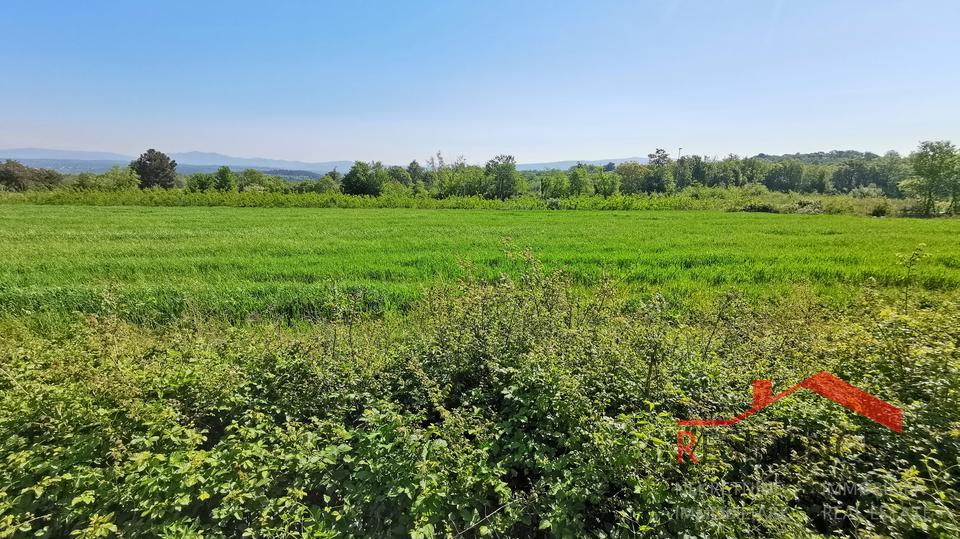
236,261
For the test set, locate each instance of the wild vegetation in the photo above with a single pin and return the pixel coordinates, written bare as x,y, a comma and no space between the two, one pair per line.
929,178
336,365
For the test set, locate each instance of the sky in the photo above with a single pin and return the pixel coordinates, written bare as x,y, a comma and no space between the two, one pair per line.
544,81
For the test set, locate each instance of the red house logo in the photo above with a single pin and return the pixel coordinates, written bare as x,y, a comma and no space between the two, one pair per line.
823,383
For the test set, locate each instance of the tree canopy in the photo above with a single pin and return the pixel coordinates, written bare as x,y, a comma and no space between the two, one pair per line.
155,170
936,175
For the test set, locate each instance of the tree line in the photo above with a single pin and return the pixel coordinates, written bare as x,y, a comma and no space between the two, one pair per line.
930,175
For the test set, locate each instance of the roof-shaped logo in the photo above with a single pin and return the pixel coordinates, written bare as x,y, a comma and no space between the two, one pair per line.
827,385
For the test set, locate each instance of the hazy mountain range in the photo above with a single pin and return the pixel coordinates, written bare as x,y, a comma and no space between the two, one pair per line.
74,162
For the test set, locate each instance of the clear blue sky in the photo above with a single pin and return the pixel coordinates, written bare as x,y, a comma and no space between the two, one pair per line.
542,80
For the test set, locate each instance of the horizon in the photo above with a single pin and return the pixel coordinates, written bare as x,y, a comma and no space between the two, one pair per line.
543,82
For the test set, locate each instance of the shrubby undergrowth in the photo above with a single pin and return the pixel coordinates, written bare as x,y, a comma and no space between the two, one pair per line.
515,407
746,198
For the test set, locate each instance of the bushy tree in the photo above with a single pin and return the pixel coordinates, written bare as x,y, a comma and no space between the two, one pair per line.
683,171
119,179
504,181
633,177
328,184
246,179
935,175
15,176
393,188
225,180
891,169
726,173
400,175
785,176
580,182
155,170
365,179
554,184
606,184
415,171
753,170
853,173
815,179
199,182
659,158
86,181
255,180
662,179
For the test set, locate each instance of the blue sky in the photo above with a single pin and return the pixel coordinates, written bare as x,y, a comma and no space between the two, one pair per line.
544,81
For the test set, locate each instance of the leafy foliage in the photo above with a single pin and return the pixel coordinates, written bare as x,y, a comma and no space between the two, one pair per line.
155,170
17,177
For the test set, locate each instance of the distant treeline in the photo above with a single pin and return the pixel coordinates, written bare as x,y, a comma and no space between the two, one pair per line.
820,158
930,175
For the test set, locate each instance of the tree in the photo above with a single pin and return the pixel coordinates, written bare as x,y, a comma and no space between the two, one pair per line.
607,184
327,184
632,177
15,176
365,179
935,174
118,179
393,188
753,170
476,181
659,158
251,179
891,169
784,176
199,182
580,182
399,175
663,181
554,184
415,171
155,170
224,179
853,173
815,179
505,182
87,181
683,171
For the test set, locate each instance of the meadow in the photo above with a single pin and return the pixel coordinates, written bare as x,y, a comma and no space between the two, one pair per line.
221,372
292,263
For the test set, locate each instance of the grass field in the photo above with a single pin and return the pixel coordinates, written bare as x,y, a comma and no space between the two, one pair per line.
243,260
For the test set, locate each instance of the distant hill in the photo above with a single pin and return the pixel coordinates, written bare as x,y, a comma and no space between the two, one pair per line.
40,153
564,165
74,162
76,166
240,163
